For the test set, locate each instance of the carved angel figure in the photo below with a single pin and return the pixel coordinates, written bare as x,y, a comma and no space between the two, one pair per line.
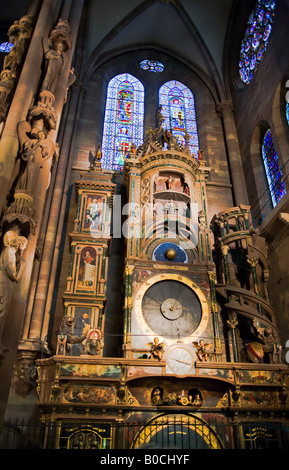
202,348
156,349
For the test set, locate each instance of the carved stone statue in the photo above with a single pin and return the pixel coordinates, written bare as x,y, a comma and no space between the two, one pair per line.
36,150
11,269
19,34
55,55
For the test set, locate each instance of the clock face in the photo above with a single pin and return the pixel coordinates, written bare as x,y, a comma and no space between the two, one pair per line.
170,252
171,309
180,360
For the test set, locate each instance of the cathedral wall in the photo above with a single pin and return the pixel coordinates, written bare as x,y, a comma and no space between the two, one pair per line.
258,106
257,103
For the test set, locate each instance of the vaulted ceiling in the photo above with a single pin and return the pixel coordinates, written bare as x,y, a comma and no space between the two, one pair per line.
183,27
194,30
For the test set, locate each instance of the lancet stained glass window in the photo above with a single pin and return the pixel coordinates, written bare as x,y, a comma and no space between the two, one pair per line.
123,121
287,112
178,109
272,168
255,41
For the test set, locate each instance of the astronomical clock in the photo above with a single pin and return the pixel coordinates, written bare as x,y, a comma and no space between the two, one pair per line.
196,345
168,256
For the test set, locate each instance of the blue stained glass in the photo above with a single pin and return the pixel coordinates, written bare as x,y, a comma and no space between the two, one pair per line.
287,112
152,66
178,110
272,169
255,39
6,47
123,120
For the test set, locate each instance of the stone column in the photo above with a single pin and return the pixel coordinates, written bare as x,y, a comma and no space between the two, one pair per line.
23,96
225,110
21,103
37,319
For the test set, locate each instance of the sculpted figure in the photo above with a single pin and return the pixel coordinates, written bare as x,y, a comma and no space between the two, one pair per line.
55,55
156,349
11,268
36,150
56,60
202,350
66,328
18,35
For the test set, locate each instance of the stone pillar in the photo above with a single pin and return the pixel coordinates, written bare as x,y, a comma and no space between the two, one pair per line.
23,96
37,319
225,110
21,103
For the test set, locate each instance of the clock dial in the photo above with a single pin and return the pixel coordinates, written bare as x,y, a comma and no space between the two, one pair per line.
171,309
180,360
170,252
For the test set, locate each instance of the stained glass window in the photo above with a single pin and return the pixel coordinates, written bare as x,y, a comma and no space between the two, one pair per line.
272,168
123,121
178,109
255,41
152,66
6,47
287,112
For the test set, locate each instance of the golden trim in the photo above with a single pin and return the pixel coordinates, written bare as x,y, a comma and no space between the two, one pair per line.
161,422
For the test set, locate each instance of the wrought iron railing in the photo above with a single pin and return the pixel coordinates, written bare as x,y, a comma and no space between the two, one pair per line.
163,432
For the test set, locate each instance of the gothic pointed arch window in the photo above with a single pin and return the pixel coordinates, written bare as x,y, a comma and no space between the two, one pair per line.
178,110
272,168
123,120
255,40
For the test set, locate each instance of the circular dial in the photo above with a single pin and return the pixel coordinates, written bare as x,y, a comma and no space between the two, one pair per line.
170,252
171,309
180,360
